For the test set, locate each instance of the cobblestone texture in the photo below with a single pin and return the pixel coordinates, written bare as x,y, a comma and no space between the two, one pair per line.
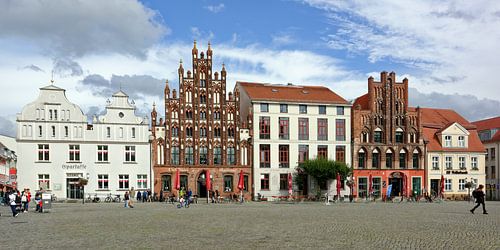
447,225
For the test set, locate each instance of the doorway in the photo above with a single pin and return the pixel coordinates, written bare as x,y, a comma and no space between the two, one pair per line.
202,188
434,186
397,186
73,190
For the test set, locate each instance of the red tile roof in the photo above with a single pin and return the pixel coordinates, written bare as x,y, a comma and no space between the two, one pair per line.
362,101
487,123
290,93
436,120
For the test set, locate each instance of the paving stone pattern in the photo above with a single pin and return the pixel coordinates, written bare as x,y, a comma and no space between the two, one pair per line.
252,225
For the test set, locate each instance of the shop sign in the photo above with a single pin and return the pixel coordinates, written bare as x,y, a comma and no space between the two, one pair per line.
74,166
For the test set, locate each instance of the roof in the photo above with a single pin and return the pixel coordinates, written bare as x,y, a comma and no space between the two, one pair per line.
52,87
436,120
362,101
290,93
487,123
120,93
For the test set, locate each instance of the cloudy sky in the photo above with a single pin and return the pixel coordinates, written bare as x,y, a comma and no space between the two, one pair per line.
449,50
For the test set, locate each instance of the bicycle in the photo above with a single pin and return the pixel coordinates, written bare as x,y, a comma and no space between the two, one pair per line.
110,198
94,200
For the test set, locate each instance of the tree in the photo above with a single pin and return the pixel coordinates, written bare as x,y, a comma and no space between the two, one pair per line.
323,169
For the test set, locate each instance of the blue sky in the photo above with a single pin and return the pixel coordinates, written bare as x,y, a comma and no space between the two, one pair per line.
448,50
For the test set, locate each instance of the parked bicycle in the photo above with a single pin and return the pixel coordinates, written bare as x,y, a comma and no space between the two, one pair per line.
110,198
94,199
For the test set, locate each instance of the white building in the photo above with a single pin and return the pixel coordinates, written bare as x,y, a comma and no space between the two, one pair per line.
56,147
291,124
489,133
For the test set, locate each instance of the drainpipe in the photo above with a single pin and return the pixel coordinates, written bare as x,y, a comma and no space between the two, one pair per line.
425,165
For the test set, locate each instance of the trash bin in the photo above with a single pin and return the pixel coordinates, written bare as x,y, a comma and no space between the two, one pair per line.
46,202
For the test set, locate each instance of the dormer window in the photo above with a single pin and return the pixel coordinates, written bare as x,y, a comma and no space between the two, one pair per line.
447,141
461,141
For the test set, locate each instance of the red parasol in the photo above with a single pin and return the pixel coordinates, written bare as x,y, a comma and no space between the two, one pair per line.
338,185
406,193
177,180
442,186
290,184
208,181
241,181
370,185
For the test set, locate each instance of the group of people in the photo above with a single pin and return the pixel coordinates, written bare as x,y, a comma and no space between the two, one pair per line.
19,201
144,196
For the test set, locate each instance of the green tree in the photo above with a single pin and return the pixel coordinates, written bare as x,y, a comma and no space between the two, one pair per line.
323,169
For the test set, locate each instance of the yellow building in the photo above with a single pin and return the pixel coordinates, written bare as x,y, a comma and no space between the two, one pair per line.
454,153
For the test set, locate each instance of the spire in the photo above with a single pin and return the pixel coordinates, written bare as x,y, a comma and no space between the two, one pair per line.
52,78
223,72
181,69
167,89
194,52
209,51
153,115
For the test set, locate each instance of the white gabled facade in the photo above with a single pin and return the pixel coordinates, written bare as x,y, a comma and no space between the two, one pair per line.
56,146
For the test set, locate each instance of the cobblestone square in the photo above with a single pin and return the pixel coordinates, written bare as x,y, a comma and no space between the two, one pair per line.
447,225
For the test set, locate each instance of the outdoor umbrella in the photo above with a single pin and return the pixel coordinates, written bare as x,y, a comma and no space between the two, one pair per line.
290,190
370,184
208,184
177,180
406,186
338,186
442,186
241,181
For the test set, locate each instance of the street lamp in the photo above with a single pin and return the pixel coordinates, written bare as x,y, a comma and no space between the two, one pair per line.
83,187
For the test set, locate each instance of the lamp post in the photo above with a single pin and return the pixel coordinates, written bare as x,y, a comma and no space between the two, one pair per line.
83,187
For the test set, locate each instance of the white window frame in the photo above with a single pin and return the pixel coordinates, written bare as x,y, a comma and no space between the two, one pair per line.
142,181
130,154
448,163
103,181
461,184
435,162
44,178
447,184
104,151
44,148
461,141
123,181
74,150
473,162
461,162
447,141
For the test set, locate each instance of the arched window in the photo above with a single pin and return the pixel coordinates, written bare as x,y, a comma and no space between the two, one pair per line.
402,159
376,158
389,158
166,182
399,135
231,156
203,155
416,159
377,135
361,158
189,158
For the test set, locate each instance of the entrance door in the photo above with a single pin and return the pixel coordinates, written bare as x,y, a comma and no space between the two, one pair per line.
416,185
397,186
202,188
73,190
434,186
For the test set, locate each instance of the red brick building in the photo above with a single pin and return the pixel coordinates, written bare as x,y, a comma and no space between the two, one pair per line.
201,131
387,140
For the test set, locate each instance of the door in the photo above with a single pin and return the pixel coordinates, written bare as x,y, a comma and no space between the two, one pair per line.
416,185
434,186
397,186
73,190
202,188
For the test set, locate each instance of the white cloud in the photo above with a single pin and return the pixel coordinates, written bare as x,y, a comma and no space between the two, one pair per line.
76,28
283,39
453,45
215,8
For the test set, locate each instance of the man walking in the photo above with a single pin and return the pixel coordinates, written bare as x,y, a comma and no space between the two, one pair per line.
479,195
13,204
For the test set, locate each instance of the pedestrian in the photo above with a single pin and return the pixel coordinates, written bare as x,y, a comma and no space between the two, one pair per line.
28,196
217,196
38,198
24,201
479,195
13,204
132,194
139,196
126,198
161,196
144,196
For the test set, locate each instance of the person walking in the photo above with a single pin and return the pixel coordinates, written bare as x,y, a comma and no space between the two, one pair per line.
24,201
139,196
479,195
13,204
126,198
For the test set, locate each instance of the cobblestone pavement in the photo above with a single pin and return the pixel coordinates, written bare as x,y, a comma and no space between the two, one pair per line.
447,225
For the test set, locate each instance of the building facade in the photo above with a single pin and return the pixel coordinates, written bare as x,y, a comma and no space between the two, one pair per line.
489,133
201,132
454,153
57,147
8,169
290,124
388,146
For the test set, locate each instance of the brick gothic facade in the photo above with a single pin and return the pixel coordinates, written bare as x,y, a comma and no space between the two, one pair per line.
387,139
201,131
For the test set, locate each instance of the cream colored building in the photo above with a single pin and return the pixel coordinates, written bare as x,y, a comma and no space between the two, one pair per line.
454,153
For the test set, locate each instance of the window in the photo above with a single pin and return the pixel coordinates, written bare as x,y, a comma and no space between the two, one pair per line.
448,162
230,132
283,108
129,153
217,156
493,173
303,153
265,156
323,151
322,109
461,162
461,141
415,159
203,155
53,128
303,129
322,129
402,160
175,156
203,83
340,130
245,183
284,160
364,137
264,107
189,131
303,109
203,115
175,131
203,99
447,184
203,132
217,132
228,183
375,160
166,182
399,136
142,181
388,159
447,141
66,131
189,114
376,186
43,152
55,114
340,153
264,125
40,131
189,158
377,136
120,132
264,181
435,162
362,186
123,181
284,128
340,110
102,181
361,159
283,181
74,152
216,115
102,153
133,132
461,184
231,156
43,181
50,114
108,132
184,181
492,153
473,163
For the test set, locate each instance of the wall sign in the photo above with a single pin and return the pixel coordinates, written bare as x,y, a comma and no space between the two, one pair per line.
74,166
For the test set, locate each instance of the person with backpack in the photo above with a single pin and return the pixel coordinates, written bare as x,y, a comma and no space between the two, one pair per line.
478,194
13,205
